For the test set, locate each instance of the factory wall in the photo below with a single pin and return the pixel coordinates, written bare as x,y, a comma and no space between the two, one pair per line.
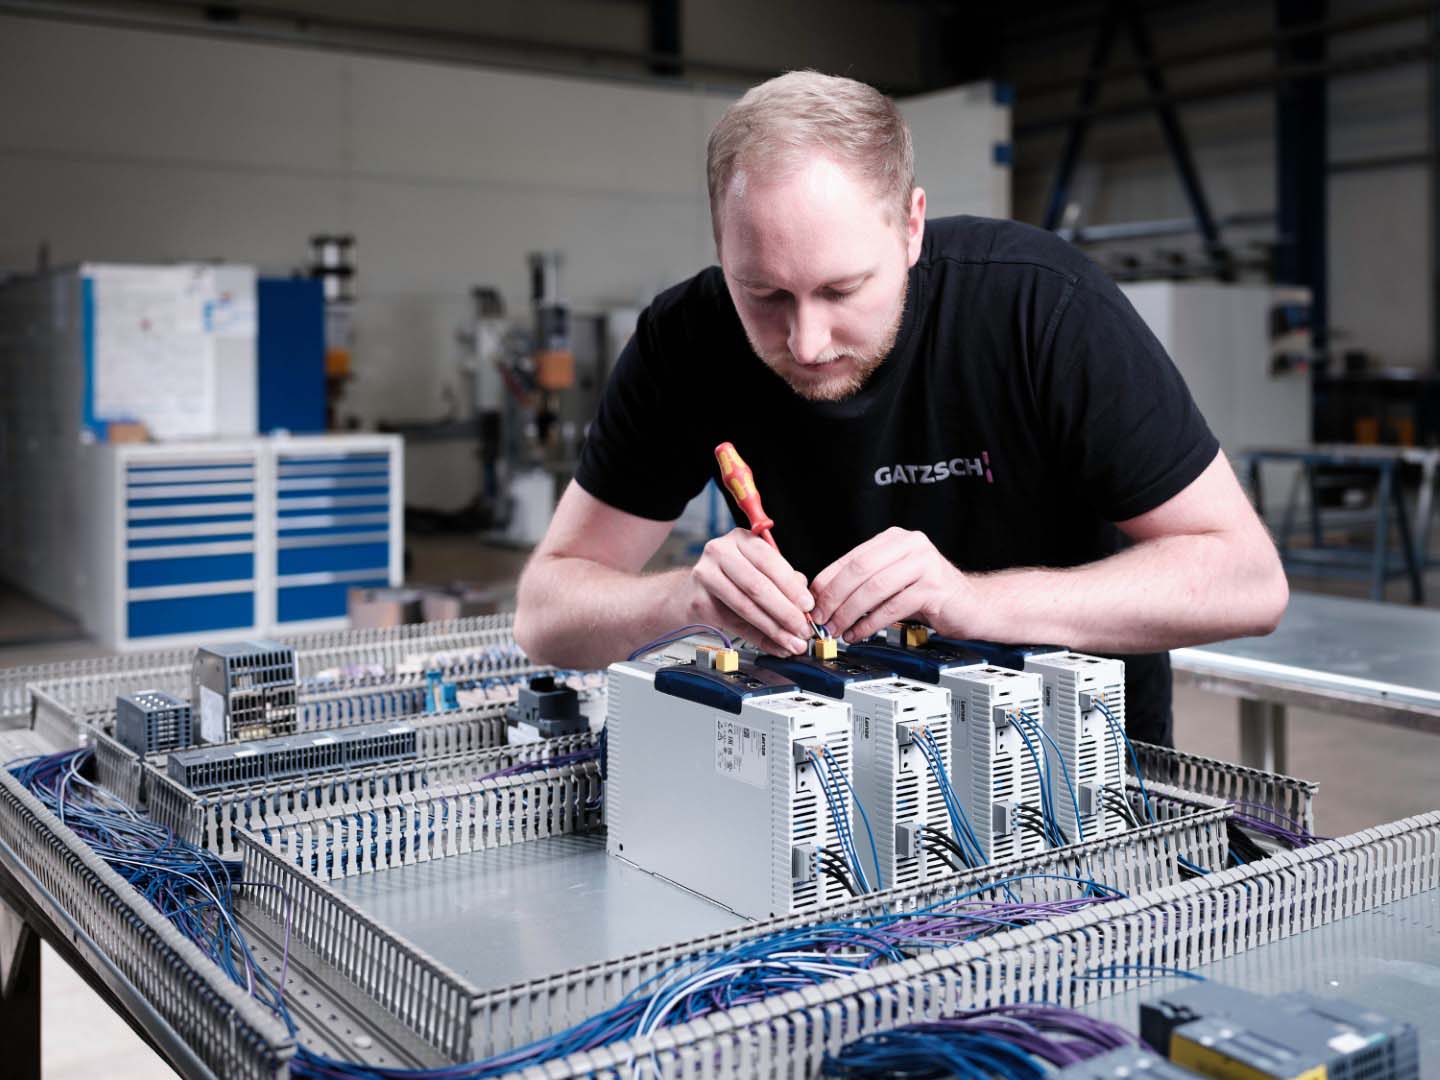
133,146
1379,222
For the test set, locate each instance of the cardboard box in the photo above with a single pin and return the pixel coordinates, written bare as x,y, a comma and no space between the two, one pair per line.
458,601
373,608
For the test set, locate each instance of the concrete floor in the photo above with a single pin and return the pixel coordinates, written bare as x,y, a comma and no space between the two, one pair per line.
1368,774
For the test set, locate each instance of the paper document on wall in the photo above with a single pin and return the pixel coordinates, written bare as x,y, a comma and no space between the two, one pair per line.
154,348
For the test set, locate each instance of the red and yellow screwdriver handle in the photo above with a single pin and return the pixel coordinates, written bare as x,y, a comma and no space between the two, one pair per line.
740,482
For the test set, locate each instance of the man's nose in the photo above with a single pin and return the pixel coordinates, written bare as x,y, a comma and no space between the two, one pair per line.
809,334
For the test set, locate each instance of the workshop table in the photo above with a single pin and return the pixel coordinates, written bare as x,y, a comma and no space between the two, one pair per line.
1378,662
1385,462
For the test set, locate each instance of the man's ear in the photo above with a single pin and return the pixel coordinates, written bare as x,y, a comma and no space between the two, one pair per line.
915,225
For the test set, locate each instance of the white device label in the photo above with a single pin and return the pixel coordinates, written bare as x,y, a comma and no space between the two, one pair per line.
212,716
741,753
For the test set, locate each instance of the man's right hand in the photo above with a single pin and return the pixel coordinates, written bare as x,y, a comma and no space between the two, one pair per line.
745,587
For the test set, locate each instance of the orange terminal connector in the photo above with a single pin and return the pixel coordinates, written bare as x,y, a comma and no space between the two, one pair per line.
740,482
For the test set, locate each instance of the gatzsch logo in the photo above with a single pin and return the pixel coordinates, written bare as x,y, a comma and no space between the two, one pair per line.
957,467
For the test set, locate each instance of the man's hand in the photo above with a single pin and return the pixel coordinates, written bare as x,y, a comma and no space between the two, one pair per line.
743,585
896,575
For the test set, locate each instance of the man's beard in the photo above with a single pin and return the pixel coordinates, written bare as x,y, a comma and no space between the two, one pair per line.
837,387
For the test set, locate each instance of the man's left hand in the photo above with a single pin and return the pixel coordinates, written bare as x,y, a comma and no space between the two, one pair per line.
896,575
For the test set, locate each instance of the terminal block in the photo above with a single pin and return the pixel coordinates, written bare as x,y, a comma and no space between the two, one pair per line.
242,690
152,721
209,768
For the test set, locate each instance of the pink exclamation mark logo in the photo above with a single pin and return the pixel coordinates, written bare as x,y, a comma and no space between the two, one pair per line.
985,458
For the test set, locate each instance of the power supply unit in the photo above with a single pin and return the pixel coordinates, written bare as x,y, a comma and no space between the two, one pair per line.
723,782
1077,691
152,721
893,776
243,690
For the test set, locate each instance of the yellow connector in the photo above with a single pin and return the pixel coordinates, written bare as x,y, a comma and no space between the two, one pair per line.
717,658
823,648
915,636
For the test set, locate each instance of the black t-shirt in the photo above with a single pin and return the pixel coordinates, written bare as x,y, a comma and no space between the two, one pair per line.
1024,408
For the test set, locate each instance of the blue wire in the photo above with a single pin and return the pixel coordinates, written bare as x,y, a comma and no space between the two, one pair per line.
1047,810
864,817
1116,726
1039,729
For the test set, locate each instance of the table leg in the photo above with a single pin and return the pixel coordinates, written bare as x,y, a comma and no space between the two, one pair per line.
1317,535
1262,735
1424,510
19,996
1381,556
1414,563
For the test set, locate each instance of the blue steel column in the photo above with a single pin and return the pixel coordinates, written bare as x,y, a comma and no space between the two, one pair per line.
1301,209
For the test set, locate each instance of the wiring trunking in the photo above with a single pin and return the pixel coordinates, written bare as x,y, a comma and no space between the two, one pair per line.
995,773
892,779
712,784
1077,691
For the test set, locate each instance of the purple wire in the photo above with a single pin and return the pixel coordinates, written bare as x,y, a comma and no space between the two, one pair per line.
679,634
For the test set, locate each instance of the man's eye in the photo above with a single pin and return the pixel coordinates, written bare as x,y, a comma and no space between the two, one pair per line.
838,294
767,298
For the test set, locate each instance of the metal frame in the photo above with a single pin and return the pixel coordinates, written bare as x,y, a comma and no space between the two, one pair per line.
427,1014
204,1021
1185,925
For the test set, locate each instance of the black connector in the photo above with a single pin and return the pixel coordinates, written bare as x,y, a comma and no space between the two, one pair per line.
548,708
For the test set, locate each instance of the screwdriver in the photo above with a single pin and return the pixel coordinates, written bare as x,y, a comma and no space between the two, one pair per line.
740,481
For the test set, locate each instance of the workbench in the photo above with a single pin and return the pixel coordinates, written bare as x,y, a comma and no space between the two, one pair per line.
393,962
1377,662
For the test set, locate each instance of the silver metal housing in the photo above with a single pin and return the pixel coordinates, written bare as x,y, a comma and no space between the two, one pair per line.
728,806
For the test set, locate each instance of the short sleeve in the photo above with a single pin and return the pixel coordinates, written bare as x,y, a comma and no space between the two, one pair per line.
634,455
1122,419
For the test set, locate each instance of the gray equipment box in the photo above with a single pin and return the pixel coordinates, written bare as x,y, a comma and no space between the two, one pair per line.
152,721
207,768
242,690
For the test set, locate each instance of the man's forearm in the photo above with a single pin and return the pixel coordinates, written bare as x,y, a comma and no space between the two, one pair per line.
577,613
1160,594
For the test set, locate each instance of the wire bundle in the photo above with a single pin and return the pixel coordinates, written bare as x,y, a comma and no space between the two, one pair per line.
1022,719
834,784
196,890
1023,1042
965,843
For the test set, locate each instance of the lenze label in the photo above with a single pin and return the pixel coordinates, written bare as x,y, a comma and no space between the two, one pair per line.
741,753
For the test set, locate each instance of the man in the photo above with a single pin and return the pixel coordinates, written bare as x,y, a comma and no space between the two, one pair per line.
961,422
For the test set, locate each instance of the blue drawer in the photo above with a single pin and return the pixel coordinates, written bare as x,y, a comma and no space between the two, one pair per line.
148,573
312,560
190,614
300,602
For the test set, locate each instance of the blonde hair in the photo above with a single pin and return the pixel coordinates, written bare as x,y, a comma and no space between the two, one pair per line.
777,125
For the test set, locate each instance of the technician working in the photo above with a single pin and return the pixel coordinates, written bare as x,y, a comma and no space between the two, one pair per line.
959,421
